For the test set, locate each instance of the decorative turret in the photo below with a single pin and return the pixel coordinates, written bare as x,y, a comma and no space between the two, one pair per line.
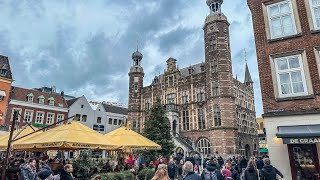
136,58
215,6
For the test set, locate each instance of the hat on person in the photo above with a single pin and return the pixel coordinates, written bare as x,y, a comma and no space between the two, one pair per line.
226,173
44,174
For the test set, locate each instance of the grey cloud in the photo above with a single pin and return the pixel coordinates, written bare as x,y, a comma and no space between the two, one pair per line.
94,61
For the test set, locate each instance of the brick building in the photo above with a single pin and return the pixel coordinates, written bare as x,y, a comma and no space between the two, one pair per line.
5,86
36,107
209,110
288,43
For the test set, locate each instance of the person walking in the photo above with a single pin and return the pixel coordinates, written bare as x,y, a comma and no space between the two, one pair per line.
172,169
251,172
161,173
234,173
66,174
189,173
180,168
260,163
28,171
268,172
212,171
243,164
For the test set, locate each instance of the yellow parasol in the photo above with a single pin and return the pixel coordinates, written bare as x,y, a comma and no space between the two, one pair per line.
27,130
130,139
72,135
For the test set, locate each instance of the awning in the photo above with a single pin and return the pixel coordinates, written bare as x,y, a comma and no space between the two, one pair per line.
264,150
298,131
2,93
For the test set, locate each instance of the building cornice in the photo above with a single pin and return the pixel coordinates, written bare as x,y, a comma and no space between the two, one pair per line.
39,106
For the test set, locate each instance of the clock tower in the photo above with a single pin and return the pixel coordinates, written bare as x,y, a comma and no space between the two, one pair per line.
220,107
136,75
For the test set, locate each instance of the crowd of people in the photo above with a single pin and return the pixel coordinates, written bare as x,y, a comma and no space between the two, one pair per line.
177,167
235,168
38,170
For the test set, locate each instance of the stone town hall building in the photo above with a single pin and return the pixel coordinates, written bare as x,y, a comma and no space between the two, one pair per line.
209,110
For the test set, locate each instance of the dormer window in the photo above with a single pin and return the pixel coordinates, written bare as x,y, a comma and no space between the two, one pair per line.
51,101
3,72
30,97
41,99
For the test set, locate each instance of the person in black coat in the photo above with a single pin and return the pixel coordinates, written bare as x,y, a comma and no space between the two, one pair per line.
66,174
243,163
260,163
251,172
268,172
212,169
172,169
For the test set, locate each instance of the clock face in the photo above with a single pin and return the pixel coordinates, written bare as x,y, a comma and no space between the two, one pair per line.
212,28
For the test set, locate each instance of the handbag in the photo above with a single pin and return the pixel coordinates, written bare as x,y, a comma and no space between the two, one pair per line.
279,177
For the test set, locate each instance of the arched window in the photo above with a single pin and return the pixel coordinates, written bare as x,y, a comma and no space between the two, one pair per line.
203,146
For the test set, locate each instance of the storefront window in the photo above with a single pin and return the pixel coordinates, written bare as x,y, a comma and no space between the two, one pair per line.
305,161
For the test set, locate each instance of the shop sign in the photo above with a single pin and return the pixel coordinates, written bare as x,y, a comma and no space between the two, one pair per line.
301,140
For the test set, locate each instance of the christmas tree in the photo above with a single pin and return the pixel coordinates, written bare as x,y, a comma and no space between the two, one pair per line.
157,128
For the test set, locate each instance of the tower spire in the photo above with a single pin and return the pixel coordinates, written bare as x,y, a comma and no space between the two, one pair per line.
247,77
137,44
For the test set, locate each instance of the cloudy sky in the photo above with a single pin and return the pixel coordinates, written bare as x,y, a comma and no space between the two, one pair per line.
84,47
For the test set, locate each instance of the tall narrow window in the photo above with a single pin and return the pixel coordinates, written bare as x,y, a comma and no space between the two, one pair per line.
215,88
217,116
18,116
170,81
60,117
290,76
84,118
135,88
28,116
185,120
315,9
39,117
281,19
50,118
171,98
99,120
200,95
184,97
147,104
201,119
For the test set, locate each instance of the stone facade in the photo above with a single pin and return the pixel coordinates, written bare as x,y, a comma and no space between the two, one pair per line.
206,106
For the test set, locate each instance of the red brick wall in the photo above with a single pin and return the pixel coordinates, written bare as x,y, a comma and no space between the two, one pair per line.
305,41
4,86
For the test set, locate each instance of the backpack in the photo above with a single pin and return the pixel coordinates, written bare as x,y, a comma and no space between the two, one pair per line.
209,175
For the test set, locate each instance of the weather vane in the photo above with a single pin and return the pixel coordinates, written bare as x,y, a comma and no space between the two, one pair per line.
245,55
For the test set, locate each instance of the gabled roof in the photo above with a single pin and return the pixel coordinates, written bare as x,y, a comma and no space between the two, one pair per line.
4,64
20,94
196,68
72,101
115,109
